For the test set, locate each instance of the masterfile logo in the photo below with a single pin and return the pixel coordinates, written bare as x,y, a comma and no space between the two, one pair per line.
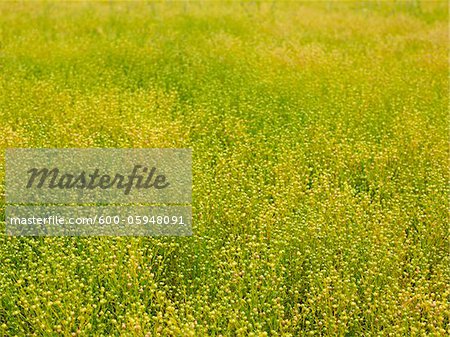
53,178
98,175
135,192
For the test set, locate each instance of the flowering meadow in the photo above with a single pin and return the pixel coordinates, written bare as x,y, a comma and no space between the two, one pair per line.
320,141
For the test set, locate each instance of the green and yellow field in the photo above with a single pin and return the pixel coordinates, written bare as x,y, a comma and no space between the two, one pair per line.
320,136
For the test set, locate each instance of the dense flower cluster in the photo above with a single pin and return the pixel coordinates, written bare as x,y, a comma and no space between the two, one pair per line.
320,142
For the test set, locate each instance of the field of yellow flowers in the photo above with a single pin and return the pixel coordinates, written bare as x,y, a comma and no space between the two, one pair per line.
320,145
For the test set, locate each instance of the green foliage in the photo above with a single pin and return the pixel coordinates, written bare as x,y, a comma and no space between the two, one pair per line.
320,141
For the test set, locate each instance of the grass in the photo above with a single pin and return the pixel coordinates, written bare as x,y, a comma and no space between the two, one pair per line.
320,141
